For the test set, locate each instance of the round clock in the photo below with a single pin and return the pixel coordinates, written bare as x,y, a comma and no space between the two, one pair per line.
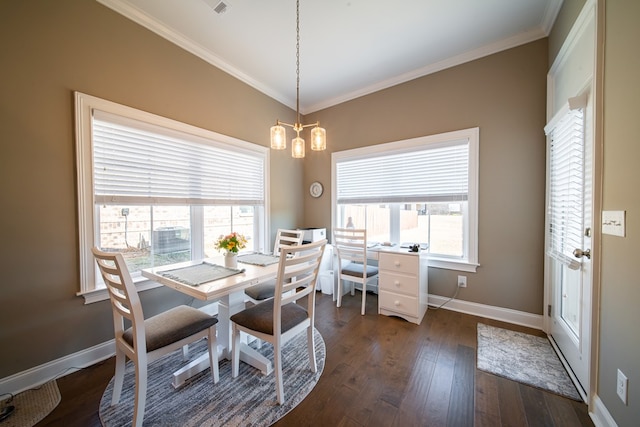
316,189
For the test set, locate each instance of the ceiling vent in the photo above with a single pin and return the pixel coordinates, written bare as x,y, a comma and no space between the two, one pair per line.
218,6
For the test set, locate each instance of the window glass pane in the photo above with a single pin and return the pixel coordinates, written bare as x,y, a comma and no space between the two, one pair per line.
414,223
140,231
440,225
222,220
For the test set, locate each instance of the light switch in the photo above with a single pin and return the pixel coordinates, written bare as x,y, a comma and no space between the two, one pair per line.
613,223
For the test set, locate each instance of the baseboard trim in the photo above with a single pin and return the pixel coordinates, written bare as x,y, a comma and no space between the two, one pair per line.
497,313
38,375
600,415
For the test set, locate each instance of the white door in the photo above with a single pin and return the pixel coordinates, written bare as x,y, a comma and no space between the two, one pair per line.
569,210
569,271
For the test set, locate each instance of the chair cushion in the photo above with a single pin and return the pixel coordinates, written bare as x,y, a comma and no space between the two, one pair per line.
260,317
262,291
355,269
171,326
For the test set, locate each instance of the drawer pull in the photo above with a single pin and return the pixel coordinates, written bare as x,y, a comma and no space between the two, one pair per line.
396,303
397,263
397,283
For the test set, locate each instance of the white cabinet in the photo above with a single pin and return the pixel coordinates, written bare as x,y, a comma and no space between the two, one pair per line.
403,285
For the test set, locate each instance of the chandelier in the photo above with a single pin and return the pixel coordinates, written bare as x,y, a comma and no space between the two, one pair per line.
278,132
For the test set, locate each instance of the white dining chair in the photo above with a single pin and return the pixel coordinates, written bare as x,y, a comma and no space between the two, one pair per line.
351,247
148,339
281,318
266,289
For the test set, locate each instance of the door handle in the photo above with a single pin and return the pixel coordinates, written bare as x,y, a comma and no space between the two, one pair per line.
579,253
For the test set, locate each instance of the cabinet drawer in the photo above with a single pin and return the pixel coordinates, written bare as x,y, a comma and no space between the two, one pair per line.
402,304
407,264
401,283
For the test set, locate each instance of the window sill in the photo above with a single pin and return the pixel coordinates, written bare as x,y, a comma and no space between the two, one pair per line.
453,265
101,294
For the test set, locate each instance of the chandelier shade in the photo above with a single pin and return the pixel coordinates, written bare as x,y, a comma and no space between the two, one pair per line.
278,137
278,132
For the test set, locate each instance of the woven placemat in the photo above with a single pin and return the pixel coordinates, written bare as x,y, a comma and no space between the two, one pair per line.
258,259
31,406
198,274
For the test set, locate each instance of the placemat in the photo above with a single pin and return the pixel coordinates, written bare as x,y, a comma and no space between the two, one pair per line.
198,274
258,259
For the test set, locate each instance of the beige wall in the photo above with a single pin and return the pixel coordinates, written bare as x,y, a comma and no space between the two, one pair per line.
505,96
50,49
620,287
566,17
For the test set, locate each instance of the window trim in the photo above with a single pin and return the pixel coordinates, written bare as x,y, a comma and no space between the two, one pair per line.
469,264
84,105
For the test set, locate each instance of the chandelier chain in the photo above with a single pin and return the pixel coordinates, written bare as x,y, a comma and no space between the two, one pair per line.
297,62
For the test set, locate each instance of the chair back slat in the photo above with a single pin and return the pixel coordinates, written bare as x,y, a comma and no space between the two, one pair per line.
351,244
297,275
285,238
125,301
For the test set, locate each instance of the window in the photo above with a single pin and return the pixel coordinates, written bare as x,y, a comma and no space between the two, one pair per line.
161,191
566,184
422,190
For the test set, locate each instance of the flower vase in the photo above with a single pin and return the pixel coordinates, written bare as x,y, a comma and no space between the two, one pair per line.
231,260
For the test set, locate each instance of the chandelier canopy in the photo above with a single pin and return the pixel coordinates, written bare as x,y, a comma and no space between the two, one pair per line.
278,132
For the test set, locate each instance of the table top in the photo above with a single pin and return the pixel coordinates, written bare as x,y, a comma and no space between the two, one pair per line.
216,289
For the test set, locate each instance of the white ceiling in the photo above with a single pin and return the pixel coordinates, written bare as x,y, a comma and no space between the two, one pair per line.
348,48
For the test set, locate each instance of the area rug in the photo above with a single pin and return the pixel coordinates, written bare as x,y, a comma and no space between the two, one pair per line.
248,400
31,406
523,358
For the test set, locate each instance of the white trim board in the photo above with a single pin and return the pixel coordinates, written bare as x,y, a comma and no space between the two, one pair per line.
38,375
491,312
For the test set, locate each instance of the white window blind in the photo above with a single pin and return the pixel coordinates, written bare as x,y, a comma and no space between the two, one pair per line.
437,173
566,183
137,162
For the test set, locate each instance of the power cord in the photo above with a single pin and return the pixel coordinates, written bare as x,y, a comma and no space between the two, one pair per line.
442,305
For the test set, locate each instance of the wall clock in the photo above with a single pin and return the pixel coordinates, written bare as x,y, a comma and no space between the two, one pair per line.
316,189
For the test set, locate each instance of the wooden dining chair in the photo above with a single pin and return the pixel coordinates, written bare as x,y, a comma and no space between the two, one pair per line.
280,319
265,290
351,247
148,339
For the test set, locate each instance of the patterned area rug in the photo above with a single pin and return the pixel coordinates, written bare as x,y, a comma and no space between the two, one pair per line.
248,400
31,406
524,358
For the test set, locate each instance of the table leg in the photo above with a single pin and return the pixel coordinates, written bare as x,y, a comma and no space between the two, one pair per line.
227,306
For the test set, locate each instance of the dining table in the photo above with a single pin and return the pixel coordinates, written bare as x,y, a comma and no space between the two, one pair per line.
226,287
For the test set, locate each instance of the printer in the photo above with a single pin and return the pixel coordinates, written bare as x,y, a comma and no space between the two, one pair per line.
313,234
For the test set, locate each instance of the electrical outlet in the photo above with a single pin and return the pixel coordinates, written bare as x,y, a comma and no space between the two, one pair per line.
621,386
462,281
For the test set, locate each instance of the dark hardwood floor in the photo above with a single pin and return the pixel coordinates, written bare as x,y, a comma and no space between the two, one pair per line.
381,371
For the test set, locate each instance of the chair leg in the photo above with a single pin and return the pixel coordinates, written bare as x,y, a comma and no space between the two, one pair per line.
235,351
277,370
185,352
141,391
311,348
339,292
121,360
213,355
364,296
353,288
